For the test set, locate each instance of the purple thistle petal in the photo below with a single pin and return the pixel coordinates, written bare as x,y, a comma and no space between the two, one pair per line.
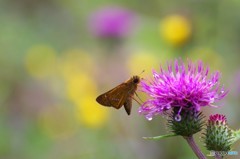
217,118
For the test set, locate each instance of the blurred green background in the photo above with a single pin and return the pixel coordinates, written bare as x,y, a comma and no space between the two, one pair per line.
54,62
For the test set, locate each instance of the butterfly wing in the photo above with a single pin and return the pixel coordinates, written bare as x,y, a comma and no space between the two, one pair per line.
116,97
128,105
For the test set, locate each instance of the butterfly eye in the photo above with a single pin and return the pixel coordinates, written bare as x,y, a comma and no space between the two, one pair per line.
136,80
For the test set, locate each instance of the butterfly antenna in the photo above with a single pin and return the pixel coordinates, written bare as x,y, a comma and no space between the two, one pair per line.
142,72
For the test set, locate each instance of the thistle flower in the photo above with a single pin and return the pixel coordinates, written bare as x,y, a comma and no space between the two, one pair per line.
182,87
218,136
111,22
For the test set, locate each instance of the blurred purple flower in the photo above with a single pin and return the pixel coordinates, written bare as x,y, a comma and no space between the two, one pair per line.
111,21
184,87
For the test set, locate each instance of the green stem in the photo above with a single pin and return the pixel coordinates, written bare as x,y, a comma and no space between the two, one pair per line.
194,147
159,137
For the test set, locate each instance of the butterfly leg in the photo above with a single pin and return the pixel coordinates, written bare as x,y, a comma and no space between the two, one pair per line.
136,100
138,97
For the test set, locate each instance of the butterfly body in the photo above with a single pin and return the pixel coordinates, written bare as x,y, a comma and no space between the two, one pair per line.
120,95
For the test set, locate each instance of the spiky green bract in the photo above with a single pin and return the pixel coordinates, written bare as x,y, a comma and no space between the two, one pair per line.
185,123
218,136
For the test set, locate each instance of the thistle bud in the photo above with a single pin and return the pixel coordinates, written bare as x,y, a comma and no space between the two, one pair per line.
218,136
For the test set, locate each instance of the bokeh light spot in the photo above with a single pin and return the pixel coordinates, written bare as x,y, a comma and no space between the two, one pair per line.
40,61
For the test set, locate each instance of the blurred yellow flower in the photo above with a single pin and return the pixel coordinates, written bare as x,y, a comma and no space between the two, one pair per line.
146,60
208,56
91,113
82,91
81,88
41,61
175,29
75,61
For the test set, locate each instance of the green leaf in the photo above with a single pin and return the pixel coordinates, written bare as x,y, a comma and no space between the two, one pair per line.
159,137
236,135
